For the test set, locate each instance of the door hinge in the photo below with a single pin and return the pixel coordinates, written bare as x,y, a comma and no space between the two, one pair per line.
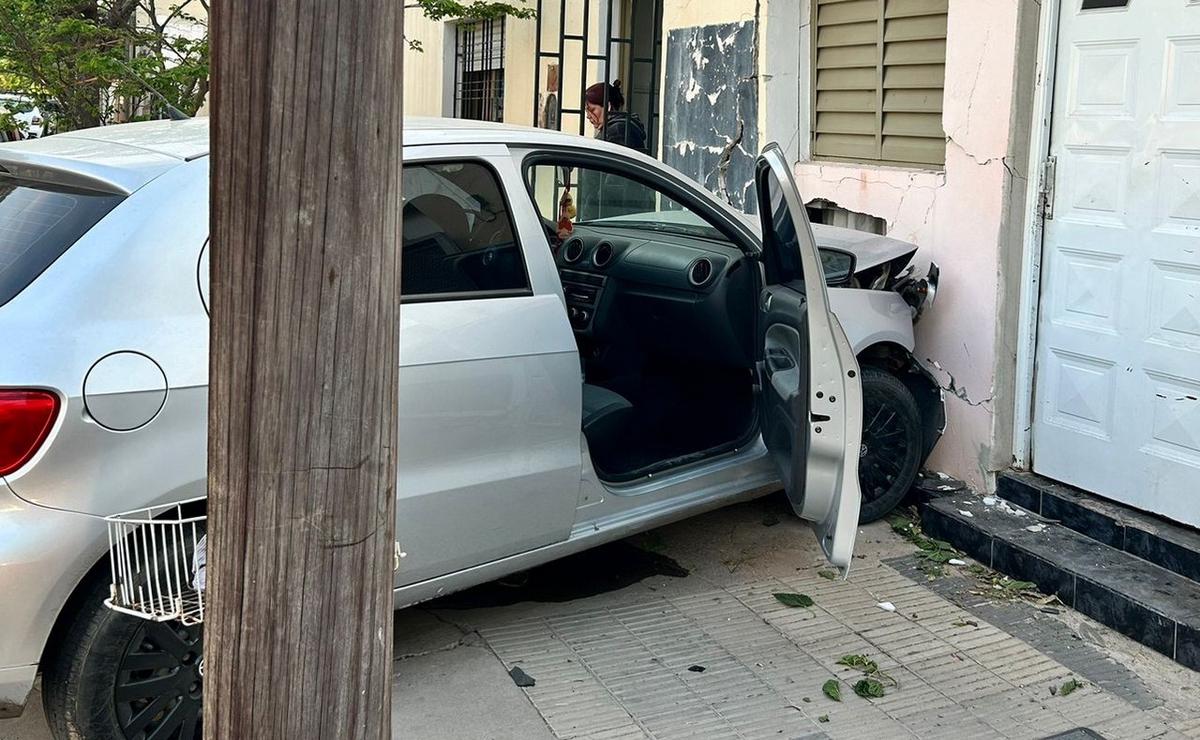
1046,191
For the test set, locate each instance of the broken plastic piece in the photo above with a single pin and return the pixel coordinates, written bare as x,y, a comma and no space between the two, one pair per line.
521,678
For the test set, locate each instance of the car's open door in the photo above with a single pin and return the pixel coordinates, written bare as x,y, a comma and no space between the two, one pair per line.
811,404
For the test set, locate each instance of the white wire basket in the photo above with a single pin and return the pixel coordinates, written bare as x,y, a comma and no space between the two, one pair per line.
158,563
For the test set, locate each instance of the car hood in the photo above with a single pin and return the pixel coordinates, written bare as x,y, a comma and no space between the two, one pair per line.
868,249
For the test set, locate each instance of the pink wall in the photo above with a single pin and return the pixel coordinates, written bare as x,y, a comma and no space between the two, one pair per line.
956,217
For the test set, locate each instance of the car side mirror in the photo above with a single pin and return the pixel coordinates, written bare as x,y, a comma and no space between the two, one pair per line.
838,266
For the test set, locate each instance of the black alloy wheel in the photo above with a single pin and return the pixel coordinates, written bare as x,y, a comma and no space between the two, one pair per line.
890,456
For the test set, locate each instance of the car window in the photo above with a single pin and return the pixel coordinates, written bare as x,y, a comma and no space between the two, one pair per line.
459,238
37,224
601,198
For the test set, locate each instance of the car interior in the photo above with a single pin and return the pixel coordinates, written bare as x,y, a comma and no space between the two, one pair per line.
663,309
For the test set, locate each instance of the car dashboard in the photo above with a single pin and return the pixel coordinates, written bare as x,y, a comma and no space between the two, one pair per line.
673,294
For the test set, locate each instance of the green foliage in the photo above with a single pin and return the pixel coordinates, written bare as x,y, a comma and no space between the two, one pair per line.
794,600
80,61
1069,687
94,62
437,10
832,689
869,688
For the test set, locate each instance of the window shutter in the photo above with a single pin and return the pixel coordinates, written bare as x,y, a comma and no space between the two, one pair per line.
878,73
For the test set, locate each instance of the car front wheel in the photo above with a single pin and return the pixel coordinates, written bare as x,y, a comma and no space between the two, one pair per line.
117,676
890,457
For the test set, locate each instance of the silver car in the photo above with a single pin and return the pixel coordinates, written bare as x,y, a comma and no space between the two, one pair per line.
577,365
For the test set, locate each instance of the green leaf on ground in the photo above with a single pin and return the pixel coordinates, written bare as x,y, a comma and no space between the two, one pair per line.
823,718
1068,686
861,662
832,689
794,600
828,574
966,623
869,688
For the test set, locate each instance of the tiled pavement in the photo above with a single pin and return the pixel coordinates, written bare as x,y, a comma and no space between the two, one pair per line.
618,667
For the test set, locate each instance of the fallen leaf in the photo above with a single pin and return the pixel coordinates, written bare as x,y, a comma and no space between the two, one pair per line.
823,718
861,662
869,688
832,689
794,600
1068,686
966,623
828,574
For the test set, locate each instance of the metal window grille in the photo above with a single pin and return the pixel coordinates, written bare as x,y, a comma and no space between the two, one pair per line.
479,70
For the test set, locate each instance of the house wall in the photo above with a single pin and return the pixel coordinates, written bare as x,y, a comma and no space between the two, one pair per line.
968,219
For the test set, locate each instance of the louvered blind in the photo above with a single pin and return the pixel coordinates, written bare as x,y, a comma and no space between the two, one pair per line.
878,71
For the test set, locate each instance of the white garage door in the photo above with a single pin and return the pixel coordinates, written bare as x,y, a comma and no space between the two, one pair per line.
1118,358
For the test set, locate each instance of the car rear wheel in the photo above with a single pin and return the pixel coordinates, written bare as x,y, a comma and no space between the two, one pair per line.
890,457
117,676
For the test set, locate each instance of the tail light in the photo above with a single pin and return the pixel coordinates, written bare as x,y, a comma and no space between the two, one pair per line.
26,417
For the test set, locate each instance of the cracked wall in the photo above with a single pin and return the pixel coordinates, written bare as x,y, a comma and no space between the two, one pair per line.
710,108
963,218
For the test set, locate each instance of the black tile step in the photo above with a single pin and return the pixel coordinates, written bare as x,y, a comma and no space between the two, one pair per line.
1175,547
1155,606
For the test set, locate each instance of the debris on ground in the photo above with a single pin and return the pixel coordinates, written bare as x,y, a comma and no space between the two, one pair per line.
1035,528
770,520
828,574
932,553
521,678
696,668
794,600
966,513
966,623
956,561
887,606
832,689
869,688
1067,688
936,482
873,677
823,718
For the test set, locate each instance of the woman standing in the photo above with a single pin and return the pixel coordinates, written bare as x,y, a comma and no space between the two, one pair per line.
603,194
605,104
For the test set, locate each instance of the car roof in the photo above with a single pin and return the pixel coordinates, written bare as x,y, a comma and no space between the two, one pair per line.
123,157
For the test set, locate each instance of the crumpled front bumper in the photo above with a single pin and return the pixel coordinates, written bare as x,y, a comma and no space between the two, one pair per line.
44,553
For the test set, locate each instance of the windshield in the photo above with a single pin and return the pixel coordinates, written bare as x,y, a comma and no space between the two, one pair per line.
581,196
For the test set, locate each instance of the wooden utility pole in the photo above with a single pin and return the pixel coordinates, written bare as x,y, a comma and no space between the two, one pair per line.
305,265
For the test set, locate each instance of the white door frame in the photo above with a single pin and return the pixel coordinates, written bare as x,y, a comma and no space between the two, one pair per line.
1031,244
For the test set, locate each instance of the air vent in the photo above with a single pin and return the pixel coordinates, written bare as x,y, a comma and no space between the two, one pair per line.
572,251
700,272
602,256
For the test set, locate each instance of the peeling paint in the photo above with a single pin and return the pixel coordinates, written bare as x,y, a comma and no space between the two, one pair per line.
710,130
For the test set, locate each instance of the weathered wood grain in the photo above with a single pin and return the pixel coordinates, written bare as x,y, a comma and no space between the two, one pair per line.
305,265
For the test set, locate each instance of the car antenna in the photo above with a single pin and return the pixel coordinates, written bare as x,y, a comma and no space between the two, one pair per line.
172,112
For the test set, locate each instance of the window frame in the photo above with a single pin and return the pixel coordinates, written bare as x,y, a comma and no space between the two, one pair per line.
518,242
674,188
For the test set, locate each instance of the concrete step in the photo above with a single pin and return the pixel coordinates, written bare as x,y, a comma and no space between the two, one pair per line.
1173,546
1155,606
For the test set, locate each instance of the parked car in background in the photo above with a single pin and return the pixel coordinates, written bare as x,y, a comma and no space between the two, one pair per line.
556,392
26,113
